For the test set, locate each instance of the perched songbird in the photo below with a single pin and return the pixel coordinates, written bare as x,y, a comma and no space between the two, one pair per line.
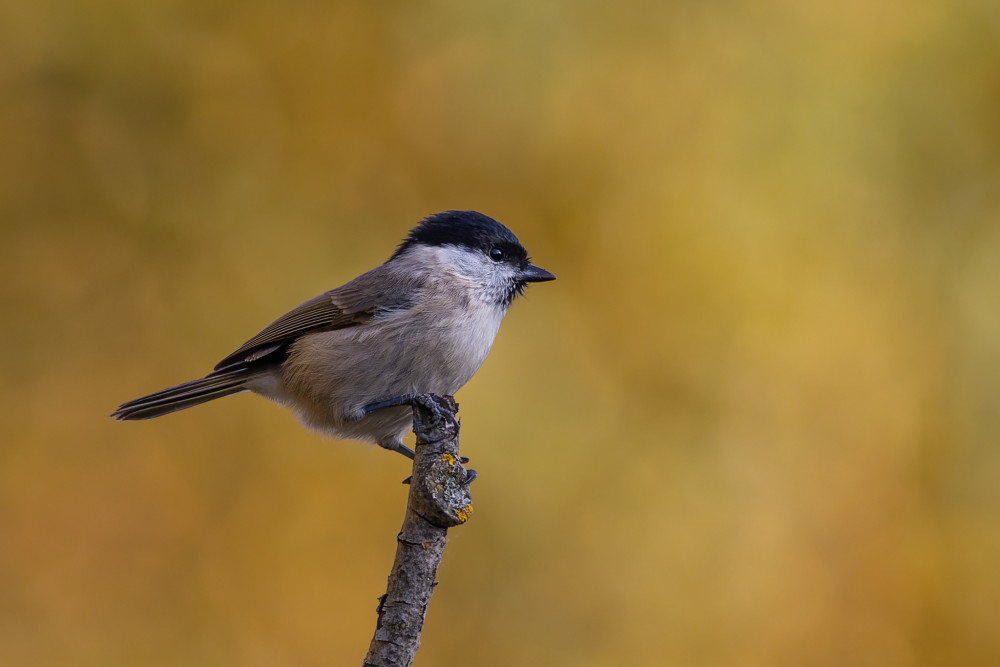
422,322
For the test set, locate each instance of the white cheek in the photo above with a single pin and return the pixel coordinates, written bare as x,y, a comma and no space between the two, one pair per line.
467,262
490,280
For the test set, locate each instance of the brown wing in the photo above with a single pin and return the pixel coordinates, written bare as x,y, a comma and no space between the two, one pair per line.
318,314
352,305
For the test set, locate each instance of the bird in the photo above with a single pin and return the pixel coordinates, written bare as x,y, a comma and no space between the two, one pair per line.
346,361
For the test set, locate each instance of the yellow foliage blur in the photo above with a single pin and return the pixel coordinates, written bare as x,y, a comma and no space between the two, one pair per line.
754,422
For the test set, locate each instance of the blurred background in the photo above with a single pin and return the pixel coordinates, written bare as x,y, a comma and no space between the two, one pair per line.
754,422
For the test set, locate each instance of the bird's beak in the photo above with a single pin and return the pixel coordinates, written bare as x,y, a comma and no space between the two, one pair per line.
534,274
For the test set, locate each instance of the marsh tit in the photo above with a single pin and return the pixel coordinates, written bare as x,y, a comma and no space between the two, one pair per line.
422,322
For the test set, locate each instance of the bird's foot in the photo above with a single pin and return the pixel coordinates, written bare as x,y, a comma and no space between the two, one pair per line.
433,416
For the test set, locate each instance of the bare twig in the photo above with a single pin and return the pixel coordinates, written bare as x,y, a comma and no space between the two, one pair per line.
439,499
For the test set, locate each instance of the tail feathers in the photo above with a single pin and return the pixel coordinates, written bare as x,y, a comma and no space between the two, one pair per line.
184,395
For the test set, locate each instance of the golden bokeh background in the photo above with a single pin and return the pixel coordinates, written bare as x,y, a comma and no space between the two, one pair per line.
754,422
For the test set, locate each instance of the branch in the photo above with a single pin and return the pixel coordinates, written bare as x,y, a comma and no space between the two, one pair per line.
439,499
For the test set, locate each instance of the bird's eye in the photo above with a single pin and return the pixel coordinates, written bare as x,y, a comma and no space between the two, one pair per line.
496,254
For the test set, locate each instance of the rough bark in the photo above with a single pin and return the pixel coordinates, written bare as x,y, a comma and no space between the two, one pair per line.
438,499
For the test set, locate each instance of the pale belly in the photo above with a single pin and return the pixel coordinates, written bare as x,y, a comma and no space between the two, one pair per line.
329,377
